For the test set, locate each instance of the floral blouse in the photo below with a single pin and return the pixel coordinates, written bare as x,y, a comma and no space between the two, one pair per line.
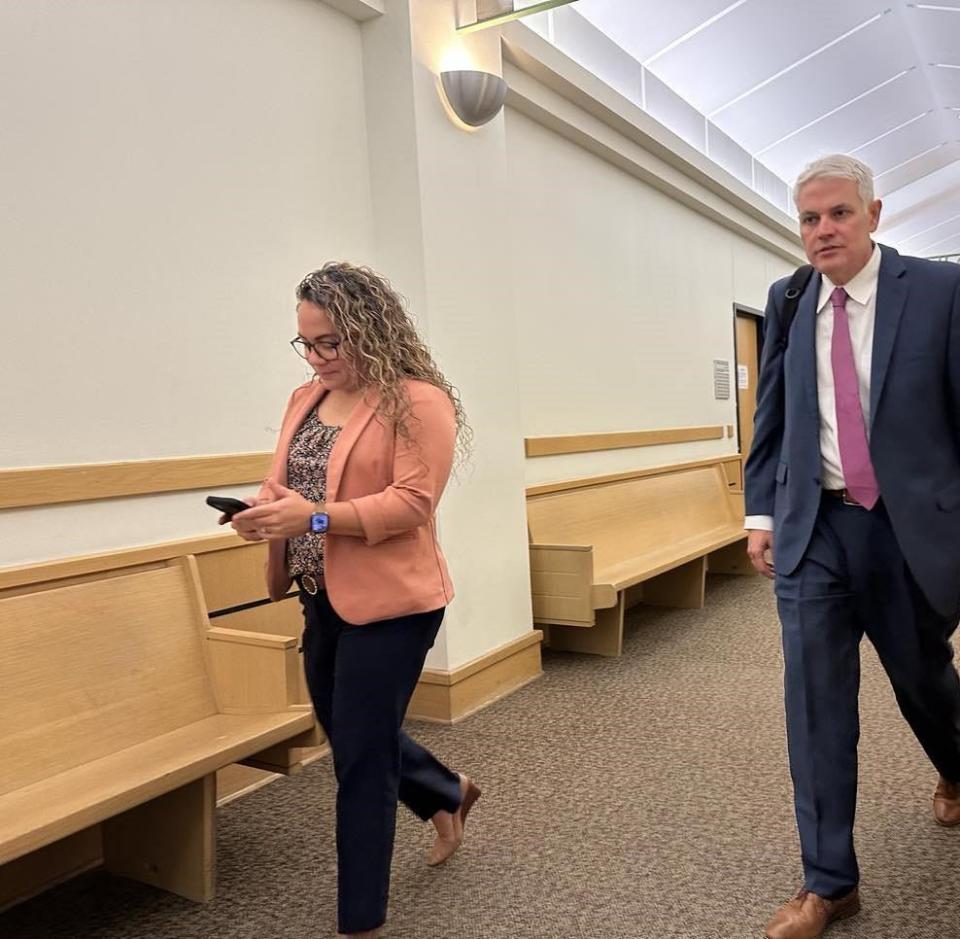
307,474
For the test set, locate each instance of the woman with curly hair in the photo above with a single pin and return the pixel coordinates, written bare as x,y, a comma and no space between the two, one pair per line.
364,453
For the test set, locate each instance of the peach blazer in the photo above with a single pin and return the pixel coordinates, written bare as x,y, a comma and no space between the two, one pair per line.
397,568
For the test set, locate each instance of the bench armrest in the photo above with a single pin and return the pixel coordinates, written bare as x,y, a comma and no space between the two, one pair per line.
561,547
245,637
561,581
252,673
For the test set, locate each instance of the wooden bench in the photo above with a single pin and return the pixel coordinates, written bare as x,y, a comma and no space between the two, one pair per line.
119,703
599,545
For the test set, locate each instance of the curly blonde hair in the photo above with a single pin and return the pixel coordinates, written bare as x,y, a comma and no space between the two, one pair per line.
371,319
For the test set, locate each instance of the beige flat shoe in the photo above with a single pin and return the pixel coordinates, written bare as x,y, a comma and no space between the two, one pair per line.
445,845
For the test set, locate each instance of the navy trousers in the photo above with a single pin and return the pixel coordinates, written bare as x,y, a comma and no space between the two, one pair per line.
361,679
853,580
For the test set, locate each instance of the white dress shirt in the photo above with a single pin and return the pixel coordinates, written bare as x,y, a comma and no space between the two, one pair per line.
861,314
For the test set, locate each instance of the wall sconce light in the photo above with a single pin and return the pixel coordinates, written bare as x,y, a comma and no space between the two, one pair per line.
495,12
476,97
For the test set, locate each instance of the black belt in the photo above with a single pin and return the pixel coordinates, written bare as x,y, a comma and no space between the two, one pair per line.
844,496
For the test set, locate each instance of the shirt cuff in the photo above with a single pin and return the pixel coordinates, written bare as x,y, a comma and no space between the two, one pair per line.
758,523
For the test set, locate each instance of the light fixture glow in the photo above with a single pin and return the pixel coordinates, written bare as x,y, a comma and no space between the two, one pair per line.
456,59
934,6
508,14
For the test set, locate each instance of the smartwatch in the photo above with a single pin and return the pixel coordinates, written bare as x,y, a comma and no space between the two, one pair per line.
319,522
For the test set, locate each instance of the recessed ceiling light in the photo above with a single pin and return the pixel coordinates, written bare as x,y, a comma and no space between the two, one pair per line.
943,65
934,6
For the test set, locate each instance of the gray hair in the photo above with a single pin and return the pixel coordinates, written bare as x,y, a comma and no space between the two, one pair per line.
838,165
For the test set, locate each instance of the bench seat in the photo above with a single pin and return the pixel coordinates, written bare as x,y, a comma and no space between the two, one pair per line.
118,705
52,808
597,546
619,575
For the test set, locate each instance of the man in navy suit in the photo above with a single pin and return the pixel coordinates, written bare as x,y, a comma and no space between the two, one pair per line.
853,488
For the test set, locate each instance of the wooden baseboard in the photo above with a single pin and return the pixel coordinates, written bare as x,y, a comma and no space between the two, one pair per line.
447,697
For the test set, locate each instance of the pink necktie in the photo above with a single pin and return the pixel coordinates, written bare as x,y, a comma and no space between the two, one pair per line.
851,430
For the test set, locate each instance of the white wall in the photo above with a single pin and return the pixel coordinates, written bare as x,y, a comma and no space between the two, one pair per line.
180,164
170,170
624,299
439,205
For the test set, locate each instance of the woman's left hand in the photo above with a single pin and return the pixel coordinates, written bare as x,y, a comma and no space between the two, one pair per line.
286,516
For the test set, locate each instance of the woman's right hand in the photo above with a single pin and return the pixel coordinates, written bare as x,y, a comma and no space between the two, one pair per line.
245,530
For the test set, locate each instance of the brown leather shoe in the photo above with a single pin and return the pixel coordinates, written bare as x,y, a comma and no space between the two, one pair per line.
946,804
807,915
444,846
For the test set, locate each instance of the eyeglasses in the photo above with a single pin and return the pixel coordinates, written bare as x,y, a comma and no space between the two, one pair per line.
327,349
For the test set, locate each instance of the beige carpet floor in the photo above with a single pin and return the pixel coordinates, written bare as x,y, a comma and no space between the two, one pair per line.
646,797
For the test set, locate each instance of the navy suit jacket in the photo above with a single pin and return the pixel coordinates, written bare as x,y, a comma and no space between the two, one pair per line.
915,422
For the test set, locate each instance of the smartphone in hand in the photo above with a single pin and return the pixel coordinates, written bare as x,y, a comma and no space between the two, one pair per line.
227,505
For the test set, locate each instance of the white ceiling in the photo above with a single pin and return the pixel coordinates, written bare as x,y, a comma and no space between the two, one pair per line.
790,80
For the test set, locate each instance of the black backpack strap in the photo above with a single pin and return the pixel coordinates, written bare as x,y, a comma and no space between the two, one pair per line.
791,300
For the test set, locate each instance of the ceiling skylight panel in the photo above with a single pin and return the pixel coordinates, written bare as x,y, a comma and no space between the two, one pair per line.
892,130
833,111
930,228
916,156
693,32
953,237
800,61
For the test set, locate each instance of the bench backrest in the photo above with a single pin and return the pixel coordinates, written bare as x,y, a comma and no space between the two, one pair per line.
91,668
632,517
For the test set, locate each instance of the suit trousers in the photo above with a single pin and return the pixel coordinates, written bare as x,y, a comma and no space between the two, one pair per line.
361,679
853,580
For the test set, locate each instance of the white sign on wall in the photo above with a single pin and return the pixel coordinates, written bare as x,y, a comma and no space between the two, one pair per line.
721,379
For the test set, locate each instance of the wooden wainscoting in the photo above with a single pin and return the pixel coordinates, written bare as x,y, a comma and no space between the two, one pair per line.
620,440
22,487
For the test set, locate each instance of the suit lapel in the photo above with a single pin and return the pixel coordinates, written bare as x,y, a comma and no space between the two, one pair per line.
892,291
806,343
358,420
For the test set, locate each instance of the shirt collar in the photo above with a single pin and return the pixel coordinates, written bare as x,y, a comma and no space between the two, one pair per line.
862,285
